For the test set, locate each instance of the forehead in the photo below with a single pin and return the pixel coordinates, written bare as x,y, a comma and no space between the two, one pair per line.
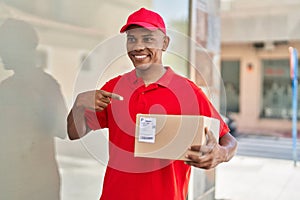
140,31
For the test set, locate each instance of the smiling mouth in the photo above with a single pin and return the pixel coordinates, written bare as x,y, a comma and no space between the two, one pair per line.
140,57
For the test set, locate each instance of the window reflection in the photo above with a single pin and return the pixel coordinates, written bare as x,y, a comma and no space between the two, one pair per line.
277,91
32,114
230,71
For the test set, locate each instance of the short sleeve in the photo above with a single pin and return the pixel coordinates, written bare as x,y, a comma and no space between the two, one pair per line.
96,119
207,109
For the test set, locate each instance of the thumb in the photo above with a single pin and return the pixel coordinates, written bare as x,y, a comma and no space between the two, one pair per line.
209,136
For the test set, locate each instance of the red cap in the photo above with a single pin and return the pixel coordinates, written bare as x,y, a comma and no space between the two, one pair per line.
145,18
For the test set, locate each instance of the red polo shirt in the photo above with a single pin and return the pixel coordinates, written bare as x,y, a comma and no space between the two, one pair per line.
128,177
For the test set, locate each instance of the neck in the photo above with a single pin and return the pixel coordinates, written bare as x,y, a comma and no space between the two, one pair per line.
152,74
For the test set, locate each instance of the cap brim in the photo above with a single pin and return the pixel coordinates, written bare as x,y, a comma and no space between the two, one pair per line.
142,24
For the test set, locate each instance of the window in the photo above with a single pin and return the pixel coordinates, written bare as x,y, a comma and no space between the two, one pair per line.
230,72
277,90
177,23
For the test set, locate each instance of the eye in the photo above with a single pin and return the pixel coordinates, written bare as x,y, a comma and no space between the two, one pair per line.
148,39
131,39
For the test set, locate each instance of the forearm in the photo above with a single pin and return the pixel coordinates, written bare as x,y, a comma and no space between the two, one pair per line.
77,127
96,100
229,145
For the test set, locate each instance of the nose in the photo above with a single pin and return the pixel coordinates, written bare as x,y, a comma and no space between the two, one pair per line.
137,46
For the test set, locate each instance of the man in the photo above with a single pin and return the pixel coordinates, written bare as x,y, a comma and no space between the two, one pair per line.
149,88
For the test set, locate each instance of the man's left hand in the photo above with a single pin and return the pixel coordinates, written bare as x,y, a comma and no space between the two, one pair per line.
210,154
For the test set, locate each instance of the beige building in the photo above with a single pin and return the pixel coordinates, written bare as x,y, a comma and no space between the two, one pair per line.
255,63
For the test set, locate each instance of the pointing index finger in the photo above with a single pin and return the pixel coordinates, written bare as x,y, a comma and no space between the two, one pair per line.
117,97
112,95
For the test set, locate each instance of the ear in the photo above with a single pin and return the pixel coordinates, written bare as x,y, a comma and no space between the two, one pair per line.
166,43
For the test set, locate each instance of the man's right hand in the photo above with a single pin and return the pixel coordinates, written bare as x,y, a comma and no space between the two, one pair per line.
96,100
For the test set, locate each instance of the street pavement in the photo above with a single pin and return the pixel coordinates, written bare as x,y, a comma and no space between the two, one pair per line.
267,147
253,178
263,169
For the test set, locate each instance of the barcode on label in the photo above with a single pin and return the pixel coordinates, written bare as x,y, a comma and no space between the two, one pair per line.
146,138
147,129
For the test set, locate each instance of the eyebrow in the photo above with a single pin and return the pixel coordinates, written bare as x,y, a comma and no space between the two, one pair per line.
146,35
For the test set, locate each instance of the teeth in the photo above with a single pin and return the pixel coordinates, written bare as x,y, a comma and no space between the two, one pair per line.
140,57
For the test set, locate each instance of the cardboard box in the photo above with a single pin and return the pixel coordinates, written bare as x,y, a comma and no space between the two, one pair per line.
170,136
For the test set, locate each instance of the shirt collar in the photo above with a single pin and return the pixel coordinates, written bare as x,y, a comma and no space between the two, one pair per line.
163,81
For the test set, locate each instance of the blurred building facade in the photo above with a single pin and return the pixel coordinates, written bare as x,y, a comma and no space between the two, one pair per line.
255,63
